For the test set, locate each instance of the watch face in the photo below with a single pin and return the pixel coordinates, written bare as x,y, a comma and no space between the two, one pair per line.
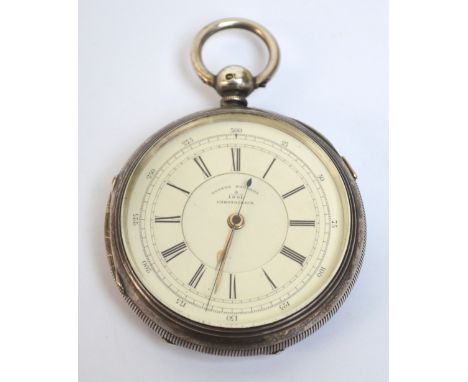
235,220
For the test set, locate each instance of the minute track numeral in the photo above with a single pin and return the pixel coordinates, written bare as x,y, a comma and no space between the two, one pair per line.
171,253
292,192
197,276
236,159
302,223
293,255
232,286
167,219
201,164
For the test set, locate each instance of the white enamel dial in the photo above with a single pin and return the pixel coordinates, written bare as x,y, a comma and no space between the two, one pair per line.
293,206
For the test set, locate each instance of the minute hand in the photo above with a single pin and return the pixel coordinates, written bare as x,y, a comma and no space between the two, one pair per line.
249,183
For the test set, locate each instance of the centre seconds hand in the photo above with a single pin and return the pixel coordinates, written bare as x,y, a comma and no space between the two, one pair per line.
235,222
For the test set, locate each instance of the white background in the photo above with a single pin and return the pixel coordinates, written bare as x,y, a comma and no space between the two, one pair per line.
135,76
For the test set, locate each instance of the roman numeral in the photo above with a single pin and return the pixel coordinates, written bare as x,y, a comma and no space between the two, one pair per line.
269,279
236,159
173,252
199,161
292,192
293,255
232,286
302,223
167,219
197,276
268,169
178,188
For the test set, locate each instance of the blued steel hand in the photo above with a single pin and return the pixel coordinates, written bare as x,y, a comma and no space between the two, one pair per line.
235,222
249,183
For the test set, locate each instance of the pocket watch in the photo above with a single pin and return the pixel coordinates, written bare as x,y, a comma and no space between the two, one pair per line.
235,231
